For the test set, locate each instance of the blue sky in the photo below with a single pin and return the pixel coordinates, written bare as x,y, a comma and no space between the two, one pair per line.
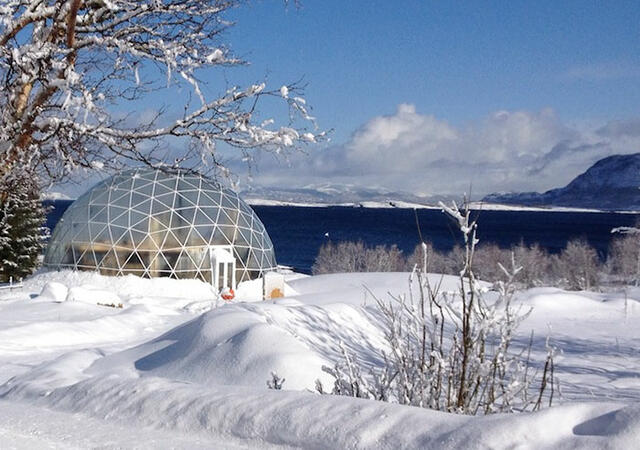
456,60
431,97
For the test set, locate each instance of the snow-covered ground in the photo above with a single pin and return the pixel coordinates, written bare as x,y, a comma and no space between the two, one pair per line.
174,367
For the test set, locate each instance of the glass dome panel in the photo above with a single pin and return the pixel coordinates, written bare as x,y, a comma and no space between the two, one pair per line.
153,223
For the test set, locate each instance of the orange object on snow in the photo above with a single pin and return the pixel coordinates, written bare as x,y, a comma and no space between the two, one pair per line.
227,294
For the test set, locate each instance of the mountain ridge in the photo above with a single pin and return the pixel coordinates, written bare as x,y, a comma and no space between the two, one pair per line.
612,183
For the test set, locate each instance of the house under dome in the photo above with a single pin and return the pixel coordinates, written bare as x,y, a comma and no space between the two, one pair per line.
152,223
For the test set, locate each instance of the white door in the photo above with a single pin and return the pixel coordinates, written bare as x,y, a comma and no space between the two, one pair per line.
223,267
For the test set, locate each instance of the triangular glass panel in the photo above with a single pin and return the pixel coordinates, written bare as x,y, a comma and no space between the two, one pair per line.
137,199
202,218
205,231
143,208
243,237
188,214
224,218
134,262
147,244
99,198
181,235
162,189
171,242
110,260
219,238
68,258
243,221
121,237
102,233
208,197
194,238
137,237
158,207
191,197
182,201
120,198
158,237
122,219
155,224
98,213
139,222
177,220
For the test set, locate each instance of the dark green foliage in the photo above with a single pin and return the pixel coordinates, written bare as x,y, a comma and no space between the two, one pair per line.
22,231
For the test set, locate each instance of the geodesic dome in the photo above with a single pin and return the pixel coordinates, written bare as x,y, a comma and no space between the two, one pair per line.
152,224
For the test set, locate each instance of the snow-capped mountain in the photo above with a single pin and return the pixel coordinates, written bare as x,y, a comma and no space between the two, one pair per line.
331,193
612,183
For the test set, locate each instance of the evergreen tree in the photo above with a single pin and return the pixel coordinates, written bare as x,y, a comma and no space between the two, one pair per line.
22,230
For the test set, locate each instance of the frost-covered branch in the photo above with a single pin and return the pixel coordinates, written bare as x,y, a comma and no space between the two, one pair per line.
451,351
69,68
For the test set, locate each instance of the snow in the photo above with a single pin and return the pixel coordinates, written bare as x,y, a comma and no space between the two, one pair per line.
55,196
412,205
177,367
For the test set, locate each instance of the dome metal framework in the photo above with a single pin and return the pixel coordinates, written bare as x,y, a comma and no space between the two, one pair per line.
153,223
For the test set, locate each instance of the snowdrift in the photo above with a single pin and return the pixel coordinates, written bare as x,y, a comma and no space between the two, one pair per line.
199,376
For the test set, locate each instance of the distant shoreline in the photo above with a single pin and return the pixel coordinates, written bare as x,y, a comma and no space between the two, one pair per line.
408,205
391,204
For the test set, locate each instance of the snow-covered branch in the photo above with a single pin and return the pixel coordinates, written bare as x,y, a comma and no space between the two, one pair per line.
67,66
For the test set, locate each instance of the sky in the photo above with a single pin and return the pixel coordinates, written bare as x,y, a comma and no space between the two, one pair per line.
435,97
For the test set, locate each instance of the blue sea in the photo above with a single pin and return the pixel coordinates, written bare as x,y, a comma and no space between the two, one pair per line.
298,232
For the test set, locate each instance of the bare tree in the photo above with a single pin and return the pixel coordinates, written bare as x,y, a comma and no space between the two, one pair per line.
624,254
577,266
438,262
345,257
487,260
535,262
66,66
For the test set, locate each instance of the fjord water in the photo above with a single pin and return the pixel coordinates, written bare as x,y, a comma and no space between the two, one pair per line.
298,232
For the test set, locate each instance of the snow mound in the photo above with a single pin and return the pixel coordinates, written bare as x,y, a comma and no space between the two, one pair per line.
359,289
236,344
153,363
125,287
92,295
286,419
54,291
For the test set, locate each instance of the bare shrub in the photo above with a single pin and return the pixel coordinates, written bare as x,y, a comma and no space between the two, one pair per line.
535,263
437,262
338,258
450,351
487,261
275,382
624,255
356,257
577,267
384,259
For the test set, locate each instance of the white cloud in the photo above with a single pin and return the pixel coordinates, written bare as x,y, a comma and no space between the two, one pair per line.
505,151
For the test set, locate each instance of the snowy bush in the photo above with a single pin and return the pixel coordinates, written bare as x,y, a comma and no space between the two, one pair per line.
437,262
624,255
450,351
488,260
577,267
357,257
535,263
